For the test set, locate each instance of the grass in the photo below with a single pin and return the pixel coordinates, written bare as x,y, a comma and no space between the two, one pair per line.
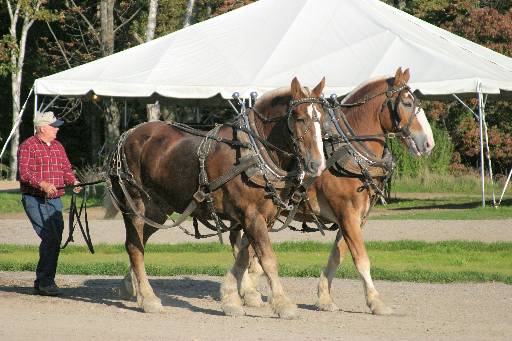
443,208
441,262
428,182
10,202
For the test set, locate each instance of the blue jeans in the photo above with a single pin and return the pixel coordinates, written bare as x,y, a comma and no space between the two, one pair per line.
46,218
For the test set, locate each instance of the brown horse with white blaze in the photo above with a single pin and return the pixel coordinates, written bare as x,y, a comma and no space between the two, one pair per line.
372,111
157,170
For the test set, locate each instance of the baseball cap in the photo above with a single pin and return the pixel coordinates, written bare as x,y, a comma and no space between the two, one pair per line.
47,118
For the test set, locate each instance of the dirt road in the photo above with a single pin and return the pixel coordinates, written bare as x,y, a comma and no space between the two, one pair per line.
91,310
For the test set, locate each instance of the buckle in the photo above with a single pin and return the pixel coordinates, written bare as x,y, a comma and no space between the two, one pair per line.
297,197
199,196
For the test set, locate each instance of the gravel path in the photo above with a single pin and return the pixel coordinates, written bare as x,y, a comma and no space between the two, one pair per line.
91,309
19,231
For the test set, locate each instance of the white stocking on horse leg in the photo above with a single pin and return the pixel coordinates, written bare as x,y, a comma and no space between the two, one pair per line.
354,237
325,301
280,303
231,302
373,300
127,289
249,287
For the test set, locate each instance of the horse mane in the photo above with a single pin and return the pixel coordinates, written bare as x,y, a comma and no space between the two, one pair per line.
275,98
361,86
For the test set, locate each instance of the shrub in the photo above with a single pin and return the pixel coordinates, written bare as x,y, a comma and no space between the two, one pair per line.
437,162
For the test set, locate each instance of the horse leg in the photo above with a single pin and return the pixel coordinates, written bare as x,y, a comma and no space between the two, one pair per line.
338,251
128,289
146,298
353,236
231,302
251,277
279,302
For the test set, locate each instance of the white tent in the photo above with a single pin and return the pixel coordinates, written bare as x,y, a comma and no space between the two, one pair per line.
262,46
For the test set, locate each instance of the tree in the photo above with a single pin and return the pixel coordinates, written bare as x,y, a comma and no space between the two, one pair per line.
89,30
153,110
26,11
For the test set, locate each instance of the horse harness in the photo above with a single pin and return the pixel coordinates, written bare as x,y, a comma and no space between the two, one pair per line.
346,155
118,167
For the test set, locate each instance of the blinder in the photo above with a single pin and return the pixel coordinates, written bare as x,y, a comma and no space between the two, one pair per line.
393,105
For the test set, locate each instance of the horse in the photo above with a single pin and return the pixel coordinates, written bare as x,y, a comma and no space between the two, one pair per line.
344,193
162,167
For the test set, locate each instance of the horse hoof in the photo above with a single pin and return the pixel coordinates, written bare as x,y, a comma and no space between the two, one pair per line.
253,300
284,308
326,305
152,307
379,308
233,310
289,312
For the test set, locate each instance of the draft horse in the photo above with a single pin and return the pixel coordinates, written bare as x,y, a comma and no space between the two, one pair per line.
357,166
161,167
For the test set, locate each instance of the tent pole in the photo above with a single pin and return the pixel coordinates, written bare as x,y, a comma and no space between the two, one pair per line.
505,187
125,123
487,151
17,122
480,114
465,106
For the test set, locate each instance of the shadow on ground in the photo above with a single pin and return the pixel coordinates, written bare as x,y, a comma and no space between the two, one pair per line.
172,292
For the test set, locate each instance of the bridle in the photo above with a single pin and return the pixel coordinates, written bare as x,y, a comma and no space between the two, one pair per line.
296,139
392,104
295,103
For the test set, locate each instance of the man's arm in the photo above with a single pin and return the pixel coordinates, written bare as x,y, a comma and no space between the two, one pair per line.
26,171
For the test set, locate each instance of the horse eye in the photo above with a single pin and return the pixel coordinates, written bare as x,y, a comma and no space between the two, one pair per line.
407,104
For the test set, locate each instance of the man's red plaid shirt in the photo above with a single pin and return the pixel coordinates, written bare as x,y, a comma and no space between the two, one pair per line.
38,162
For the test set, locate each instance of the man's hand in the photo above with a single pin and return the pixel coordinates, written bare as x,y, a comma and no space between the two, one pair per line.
77,189
48,188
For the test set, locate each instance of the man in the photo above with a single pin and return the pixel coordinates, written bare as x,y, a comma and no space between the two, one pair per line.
43,168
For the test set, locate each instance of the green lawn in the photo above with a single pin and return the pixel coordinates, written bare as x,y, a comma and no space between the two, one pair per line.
431,207
446,208
441,262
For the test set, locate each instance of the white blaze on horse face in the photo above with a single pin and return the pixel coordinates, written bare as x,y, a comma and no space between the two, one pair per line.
422,120
318,136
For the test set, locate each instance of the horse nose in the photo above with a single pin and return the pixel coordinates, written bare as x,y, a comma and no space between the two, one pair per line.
429,145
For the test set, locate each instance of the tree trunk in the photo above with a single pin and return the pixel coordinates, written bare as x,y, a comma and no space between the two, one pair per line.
152,110
150,30
15,141
112,116
17,62
188,13
112,121
94,128
107,27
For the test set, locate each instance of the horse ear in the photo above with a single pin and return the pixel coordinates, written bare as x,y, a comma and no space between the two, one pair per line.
406,76
398,76
317,91
296,89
